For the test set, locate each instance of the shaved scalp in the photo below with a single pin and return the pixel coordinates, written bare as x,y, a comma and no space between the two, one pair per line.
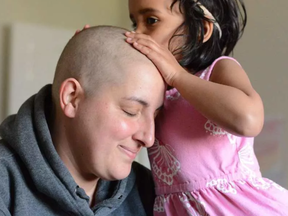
94,57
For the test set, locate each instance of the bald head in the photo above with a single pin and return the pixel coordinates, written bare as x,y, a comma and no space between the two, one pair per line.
94,57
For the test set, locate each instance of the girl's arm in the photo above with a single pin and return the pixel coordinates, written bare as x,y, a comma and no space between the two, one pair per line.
228,99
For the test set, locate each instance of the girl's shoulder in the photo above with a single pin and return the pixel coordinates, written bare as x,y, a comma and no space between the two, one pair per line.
206,73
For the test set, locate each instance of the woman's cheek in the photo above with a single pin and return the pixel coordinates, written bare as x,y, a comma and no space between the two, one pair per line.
125,128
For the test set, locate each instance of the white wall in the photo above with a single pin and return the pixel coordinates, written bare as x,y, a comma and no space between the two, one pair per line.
65,14
34,51
263,53
70,14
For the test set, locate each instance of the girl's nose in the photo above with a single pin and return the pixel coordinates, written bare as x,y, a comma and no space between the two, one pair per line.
140,29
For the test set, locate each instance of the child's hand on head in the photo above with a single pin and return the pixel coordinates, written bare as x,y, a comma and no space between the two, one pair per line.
164,60
85,27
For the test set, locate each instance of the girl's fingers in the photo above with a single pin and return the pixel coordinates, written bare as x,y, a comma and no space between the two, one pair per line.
127,34
144,42
129,40
130,34
146,49
153,54
143,49
137,35
86,27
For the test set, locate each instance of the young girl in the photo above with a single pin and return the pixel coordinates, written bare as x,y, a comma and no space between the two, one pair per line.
203,161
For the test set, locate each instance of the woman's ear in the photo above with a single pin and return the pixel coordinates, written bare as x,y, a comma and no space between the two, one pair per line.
208,30
71,94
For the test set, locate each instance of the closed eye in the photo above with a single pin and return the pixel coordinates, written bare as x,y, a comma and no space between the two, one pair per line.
157,111
129,113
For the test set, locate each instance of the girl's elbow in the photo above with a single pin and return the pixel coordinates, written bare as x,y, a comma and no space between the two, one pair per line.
251,125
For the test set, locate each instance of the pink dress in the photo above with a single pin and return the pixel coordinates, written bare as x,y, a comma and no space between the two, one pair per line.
200,169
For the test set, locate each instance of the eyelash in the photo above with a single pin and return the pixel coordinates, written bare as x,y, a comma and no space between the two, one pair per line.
129,114
151,18
134,24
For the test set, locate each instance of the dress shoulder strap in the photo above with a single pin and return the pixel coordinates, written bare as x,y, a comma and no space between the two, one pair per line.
206,73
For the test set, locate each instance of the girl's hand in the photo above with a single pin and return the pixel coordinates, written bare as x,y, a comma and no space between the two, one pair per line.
85,27
228,99
164,60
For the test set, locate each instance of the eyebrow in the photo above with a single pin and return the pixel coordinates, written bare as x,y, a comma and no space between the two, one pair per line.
146,10
140,101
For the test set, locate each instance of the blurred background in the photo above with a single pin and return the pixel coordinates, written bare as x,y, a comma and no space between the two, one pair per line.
34,32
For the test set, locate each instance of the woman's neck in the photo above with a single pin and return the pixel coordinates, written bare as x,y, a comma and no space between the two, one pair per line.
84,179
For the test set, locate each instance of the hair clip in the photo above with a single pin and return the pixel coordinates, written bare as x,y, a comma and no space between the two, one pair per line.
210,16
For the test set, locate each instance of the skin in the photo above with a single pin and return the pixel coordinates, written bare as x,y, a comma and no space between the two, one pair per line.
228,99
155,18
99,135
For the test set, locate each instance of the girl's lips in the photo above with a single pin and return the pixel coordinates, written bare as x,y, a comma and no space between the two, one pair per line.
131,153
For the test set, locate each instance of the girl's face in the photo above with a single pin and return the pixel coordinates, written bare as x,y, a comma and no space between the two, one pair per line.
157,19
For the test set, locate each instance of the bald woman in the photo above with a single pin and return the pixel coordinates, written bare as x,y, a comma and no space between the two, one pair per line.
70,148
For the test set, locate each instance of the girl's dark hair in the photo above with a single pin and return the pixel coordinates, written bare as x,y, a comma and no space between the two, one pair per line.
231,17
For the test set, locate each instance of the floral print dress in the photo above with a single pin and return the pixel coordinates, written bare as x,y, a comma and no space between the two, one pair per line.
200,169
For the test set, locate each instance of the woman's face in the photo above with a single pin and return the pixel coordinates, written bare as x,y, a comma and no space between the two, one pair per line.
157,19
112,126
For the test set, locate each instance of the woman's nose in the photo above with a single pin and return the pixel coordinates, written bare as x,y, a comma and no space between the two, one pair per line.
146,133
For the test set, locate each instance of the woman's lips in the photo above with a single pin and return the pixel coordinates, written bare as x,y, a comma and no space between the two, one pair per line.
130,152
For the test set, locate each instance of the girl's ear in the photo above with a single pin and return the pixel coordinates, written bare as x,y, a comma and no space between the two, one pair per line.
71,94
208,30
